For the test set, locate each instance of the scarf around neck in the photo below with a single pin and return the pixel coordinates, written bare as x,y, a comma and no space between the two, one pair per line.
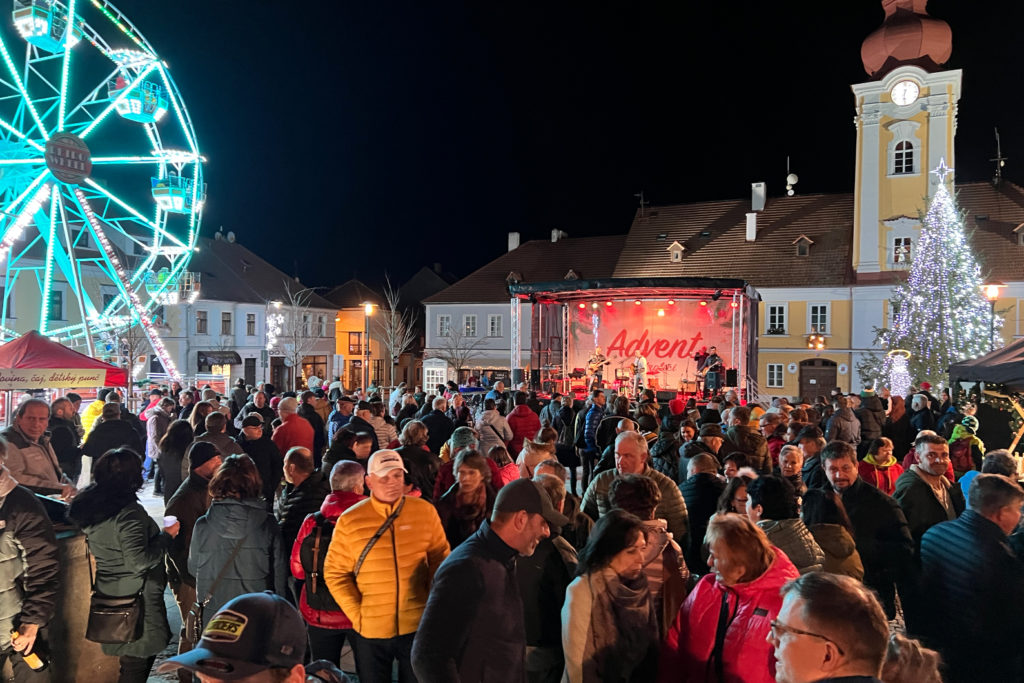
623,632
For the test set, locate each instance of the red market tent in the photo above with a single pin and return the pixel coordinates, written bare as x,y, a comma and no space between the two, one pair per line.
35,362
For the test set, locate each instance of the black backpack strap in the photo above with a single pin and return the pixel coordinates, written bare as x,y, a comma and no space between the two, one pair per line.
380,532
314,574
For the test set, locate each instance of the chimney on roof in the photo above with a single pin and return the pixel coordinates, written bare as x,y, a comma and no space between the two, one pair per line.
557,234
758,195
513,241
752,226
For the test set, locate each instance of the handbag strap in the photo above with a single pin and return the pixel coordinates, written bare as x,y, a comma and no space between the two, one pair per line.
373,540
223,571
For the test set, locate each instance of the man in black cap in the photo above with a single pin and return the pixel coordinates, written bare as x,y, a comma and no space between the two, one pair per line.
256,637
473,623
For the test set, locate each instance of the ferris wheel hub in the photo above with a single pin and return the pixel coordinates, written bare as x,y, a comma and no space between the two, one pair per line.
68,158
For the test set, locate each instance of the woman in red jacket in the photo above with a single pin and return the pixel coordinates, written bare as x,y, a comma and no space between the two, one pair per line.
327,627
743,589
879,467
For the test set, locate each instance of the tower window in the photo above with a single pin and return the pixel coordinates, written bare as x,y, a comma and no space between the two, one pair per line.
901,250
903,158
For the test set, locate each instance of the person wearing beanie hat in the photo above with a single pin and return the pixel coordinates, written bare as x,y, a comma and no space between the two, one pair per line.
676,406
474,621
709,440
248,635
190,502
966,450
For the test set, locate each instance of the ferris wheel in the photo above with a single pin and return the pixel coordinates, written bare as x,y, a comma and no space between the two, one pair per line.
101,178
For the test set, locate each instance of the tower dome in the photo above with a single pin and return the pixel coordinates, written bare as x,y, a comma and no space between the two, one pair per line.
907,36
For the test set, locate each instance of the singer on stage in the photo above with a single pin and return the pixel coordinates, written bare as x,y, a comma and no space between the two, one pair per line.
639,367
595,369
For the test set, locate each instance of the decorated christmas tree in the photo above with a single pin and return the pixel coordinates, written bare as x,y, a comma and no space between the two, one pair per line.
940,314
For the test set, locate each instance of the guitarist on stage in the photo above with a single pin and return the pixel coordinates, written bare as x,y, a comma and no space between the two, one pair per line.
595,368
712,367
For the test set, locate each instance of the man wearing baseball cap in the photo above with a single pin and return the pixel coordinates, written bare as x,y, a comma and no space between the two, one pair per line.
473,625
379,567
256,637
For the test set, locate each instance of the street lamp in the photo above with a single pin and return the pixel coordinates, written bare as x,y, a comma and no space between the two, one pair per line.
367,312
992,293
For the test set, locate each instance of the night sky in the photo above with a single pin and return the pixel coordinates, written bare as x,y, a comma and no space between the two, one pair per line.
353,138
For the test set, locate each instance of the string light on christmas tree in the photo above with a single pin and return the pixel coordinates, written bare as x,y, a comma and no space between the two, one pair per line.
941,315
899,375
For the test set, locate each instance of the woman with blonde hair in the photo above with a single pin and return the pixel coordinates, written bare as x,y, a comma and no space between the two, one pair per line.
721,629
198,417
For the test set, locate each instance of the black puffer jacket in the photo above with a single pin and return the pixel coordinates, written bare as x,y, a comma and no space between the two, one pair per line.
298,501
751,443
307,411
665,455
843,426
701,493
794,538
872,418
188,504
691,448
109,435
29,565
269,463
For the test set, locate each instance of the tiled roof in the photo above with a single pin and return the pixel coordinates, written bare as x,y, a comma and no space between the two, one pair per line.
714,235
353,294
535,261
992,215
230,272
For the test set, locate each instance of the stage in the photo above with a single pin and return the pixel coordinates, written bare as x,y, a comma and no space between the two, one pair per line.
668,320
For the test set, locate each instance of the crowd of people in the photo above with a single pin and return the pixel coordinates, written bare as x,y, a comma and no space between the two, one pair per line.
516,539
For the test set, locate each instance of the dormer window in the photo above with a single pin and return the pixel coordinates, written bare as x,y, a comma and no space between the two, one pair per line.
571,275
675,251
1019,231
803,245
513,277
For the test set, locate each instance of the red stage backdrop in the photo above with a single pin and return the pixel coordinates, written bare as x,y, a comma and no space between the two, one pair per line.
668,341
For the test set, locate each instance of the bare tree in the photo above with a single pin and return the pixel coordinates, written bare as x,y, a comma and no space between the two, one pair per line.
296,338
456,349
397,329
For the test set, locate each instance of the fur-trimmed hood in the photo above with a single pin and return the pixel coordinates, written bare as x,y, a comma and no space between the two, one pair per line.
96,503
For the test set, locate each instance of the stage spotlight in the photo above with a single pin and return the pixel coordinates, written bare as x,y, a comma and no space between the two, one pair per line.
671,302
734,304
594,305
703,303
582,306
661,312
637,302
608,303
717,295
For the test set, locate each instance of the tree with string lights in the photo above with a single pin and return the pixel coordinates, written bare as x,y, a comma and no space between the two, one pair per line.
940,314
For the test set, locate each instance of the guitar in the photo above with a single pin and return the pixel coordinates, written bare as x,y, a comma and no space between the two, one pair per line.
592,368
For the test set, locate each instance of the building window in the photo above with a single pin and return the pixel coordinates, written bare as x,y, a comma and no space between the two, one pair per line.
819,318
225,323
803,249
434,376
903,158
355,343
56,308
321,326
776,319
201,323
107,300
775,375
494,326
469,323
444,325
307,325
377,371
901,250
250,324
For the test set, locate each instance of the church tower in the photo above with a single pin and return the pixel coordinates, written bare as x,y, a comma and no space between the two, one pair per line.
906,122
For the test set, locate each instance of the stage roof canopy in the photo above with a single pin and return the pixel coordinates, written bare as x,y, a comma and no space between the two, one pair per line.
560,291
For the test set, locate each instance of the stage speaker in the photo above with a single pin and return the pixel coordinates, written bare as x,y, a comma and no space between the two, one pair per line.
730,377
666,396
517,377
534,379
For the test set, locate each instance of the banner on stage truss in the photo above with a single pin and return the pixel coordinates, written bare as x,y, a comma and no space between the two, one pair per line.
668,341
